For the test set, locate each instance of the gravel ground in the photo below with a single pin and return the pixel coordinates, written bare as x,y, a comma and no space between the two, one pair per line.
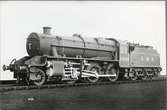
137,96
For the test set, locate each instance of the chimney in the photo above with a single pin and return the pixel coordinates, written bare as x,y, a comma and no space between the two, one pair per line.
47,30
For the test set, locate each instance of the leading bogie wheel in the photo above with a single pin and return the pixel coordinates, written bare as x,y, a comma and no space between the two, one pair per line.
40,77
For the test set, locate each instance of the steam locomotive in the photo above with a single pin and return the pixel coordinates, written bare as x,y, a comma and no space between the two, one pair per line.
74,58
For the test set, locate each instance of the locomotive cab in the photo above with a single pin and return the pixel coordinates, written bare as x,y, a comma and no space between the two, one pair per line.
124,54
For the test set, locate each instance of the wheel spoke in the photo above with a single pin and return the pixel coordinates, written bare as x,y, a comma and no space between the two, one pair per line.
144,77
113,71
40,77
96,69
133,75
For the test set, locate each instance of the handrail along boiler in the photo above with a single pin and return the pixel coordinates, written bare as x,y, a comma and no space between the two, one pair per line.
73,58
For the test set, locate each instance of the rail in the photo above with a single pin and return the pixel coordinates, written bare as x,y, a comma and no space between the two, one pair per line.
14,87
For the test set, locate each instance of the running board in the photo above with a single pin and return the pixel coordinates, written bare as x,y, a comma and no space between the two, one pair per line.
94,74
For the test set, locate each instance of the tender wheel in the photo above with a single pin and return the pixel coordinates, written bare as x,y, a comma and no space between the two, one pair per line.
113,71
149,77
96,69
39,77
144,77
133,75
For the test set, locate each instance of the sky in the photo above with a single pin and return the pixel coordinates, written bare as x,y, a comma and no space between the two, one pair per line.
134,21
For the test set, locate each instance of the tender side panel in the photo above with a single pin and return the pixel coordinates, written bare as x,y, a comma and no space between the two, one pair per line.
144,57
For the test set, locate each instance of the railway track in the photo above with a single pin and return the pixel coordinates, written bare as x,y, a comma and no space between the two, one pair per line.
13,87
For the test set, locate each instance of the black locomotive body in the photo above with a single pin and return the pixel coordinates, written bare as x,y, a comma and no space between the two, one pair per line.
74,58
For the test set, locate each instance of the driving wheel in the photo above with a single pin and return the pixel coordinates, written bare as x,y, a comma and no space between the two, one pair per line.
95,69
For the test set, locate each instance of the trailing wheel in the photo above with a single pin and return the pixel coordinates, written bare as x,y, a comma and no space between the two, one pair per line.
113,71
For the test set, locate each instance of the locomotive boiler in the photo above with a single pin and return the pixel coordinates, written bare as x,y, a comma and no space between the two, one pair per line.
76,58
69,46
